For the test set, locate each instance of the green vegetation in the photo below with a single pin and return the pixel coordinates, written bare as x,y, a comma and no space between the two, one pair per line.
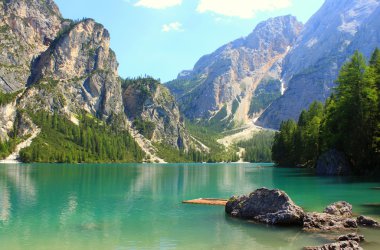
6,98
258,148
268,91
146,128
92,141
349,122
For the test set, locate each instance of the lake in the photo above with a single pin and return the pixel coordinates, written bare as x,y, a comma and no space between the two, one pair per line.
138,206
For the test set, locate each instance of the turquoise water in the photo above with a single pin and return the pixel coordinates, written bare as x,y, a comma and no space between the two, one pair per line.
135,206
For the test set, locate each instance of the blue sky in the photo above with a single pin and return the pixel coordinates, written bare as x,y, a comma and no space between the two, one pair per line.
162,37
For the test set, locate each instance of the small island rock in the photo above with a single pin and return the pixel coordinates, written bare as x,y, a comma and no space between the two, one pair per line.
327,222
266,206
342,245
352,236
341,208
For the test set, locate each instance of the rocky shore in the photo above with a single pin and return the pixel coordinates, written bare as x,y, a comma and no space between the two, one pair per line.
275,207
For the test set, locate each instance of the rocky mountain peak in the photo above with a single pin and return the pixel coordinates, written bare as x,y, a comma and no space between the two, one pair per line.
81,69
226,79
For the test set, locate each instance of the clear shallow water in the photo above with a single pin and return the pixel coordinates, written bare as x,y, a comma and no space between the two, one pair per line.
135,206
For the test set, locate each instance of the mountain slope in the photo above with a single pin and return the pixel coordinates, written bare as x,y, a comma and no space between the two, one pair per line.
328,39
223,83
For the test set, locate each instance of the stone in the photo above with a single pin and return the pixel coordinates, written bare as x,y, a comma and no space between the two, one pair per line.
333,163
341,245
327,222
341,208
367,221
266,206
352,236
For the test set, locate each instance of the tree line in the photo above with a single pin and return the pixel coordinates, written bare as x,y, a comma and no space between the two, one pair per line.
349,121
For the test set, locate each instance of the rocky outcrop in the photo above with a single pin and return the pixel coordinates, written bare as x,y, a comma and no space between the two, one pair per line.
342,245
352,236
147,101
77,72
267,206
333,162
367,221
340,208
327,222
227,78
26,30
327,41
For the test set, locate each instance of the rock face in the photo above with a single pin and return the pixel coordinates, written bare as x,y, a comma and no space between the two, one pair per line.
152,102
77,72
328,40
267,206
26,30
333,162
226,79
341,208
367,221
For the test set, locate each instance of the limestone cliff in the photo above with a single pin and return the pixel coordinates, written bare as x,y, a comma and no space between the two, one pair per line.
226,79
26,29
77,72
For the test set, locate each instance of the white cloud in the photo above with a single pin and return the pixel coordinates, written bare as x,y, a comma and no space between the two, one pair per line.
241,8
158,4
175,26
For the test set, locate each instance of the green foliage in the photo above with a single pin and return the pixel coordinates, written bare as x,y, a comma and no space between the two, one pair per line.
92,141
258,148
349,121
6,98
264,95
146,128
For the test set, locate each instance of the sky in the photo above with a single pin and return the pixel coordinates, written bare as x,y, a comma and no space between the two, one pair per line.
161,38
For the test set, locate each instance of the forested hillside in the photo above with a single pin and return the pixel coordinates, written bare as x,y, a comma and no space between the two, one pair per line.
348,122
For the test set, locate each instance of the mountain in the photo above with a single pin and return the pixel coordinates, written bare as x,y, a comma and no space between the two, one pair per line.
26,30
67,68
223,84
327,41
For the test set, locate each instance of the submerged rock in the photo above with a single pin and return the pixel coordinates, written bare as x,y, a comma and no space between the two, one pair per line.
367,221
267,206
333,162
327,222
342,245
341,208
352,236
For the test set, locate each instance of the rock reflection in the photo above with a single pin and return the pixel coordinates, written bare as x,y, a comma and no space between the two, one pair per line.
5,203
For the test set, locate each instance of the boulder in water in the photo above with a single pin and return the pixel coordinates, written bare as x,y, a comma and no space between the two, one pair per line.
352,236
266,206
333,162
342,245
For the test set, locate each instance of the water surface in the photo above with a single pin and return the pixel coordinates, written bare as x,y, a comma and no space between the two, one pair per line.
136,206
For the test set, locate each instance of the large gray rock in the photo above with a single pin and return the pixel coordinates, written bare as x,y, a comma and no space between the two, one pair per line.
267,206
333,162
229,76
327,41
327,222
341,245
340,208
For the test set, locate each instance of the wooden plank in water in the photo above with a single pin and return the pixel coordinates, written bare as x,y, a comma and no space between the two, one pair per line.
207,201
